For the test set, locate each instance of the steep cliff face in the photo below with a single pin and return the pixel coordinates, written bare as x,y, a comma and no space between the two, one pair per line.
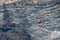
30,20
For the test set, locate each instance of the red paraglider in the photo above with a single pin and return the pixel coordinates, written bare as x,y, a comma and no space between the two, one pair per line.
39,21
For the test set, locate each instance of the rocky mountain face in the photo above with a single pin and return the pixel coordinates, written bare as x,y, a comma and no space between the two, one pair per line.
20,20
